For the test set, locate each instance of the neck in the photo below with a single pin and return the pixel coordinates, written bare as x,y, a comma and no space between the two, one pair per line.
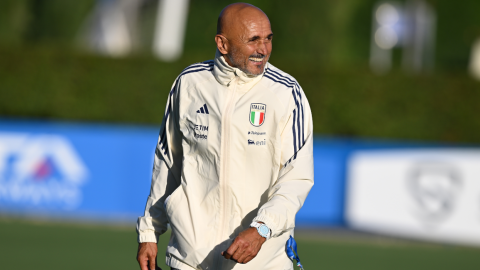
225,72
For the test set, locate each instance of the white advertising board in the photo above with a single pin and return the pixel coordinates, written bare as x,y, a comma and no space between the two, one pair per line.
424,194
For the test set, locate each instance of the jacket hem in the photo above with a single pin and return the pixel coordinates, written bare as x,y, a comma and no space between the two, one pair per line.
177,264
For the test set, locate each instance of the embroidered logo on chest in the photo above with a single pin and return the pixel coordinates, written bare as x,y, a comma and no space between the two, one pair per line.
257,114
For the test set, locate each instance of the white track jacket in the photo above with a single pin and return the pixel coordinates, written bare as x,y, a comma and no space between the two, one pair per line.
232,149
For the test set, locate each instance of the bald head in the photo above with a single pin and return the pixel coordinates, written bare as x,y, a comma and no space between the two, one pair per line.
235,14
244,37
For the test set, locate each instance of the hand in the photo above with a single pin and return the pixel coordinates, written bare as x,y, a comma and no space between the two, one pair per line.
245,247
147,256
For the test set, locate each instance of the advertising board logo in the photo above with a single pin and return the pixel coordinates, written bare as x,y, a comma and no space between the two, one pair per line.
435,188
40,170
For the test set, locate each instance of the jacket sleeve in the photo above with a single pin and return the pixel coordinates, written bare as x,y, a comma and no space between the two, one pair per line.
166,172
295,179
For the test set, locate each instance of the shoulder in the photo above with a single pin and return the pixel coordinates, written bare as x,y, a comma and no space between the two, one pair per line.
197,70
280,78
192,75
283,85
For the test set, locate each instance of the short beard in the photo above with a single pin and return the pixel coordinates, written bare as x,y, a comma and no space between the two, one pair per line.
241,64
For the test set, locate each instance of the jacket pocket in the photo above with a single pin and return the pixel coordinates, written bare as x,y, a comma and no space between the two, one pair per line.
170,200
178,214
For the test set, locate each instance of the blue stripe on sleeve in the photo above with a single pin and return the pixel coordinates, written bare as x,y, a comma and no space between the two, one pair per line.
271,78
298,124
301,113
297,120
286,78
294,134
302,130
204,66
281,77
187,71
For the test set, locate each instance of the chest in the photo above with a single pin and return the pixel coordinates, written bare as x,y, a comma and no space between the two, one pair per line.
248,121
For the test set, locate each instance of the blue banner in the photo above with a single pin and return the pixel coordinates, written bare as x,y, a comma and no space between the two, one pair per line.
325,205
75,170
101,171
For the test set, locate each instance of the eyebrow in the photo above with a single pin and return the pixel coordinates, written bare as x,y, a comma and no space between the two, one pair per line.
254,38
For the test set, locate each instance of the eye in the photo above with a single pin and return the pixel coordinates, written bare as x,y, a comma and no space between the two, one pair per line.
254,39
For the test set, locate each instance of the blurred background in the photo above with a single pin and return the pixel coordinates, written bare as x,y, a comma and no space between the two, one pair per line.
394,89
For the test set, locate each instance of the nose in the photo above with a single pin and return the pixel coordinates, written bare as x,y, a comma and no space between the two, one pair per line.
262,48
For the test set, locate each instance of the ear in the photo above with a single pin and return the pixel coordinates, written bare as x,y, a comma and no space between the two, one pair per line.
222,43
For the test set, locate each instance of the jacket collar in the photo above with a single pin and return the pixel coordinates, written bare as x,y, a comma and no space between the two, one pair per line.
225,74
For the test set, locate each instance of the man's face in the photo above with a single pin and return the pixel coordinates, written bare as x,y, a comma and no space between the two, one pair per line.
250,45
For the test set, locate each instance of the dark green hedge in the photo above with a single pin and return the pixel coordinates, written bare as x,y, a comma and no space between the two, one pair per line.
335,33
59,84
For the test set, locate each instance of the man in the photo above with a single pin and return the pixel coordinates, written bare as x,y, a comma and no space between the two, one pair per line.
233,163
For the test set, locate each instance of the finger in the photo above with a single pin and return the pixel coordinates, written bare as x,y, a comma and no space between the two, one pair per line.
143,263
242,256
230,251
248,259
152,262
239,253
226,255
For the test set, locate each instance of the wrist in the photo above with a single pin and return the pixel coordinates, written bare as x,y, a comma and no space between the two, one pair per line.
262,229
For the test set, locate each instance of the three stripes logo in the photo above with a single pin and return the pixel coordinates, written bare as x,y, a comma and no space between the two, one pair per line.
257,114
203,109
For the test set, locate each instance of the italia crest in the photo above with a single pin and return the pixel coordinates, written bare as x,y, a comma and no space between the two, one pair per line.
257,114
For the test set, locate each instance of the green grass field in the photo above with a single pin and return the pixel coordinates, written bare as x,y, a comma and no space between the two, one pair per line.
39,245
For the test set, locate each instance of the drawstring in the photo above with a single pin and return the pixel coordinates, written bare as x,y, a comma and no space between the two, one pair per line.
292,253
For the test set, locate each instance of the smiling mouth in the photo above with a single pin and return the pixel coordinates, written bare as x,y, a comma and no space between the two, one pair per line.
256,59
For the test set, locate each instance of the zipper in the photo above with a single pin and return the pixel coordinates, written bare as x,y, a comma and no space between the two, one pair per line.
225,154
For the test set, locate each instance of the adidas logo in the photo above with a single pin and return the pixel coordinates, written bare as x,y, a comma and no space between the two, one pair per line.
203,109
